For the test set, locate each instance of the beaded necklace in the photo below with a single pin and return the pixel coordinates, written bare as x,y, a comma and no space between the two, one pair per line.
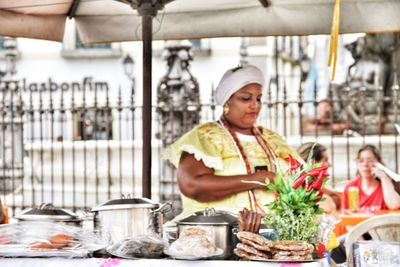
244,158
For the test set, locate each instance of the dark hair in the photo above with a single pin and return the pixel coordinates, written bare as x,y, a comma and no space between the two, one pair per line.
317,155
372,149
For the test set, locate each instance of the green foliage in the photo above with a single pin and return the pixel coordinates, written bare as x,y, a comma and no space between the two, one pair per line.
289,226
296,200
293,213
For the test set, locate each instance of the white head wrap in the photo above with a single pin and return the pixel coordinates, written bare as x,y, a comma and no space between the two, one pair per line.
235,79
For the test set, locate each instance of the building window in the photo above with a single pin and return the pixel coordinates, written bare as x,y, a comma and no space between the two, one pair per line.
200,47
79,45
74,49
196,43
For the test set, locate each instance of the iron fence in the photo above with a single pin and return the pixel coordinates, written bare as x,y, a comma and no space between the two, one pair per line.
79,151
79,146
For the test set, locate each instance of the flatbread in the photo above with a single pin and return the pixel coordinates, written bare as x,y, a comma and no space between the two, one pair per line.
291,245
265,248
251,250
290,253
255,238
292,257
245,255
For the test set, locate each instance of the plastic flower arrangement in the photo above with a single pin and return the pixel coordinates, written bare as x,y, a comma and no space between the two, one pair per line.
293,214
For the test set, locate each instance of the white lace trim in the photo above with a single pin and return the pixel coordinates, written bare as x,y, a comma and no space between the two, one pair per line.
209,161
221,125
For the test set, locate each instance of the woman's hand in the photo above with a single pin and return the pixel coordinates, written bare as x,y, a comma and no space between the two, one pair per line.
379,173
263,176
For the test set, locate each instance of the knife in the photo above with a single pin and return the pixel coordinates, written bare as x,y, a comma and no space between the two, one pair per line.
397,128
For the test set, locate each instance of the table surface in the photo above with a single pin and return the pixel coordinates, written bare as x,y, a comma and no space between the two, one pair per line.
352,219
115,262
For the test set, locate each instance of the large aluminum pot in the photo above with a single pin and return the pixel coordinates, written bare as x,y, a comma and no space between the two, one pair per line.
48,213
219,225
126,217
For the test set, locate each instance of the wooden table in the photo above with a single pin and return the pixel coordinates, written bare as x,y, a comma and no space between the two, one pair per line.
350,219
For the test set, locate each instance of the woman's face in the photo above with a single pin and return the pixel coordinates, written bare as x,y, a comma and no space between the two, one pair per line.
244,107
366,163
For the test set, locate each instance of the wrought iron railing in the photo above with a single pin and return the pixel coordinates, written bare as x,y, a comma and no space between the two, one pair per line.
80,151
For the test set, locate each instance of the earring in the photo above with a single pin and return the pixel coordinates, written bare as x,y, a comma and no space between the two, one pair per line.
226,109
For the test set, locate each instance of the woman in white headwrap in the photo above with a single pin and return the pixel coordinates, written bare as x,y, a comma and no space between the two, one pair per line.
215,158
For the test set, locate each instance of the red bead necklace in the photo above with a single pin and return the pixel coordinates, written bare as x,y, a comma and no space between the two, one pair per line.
243,155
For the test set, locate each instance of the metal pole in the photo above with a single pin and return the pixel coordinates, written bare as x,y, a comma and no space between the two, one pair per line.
147,105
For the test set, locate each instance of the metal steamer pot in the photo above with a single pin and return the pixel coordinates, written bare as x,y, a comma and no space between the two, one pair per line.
120,218
48,213
219,225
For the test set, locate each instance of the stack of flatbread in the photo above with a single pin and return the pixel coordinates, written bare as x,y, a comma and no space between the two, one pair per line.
256,247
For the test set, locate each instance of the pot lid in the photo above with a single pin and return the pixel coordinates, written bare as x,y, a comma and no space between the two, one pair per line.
125,203
47,212
210,216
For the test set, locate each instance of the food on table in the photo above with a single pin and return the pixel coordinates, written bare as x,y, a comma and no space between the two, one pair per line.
193,231
56,241
292,257
243,254
47,239
292,250
193,242
292,245
251,250
41,245
249,221
255,240
257,247
288,253
60,240
142,246
5,239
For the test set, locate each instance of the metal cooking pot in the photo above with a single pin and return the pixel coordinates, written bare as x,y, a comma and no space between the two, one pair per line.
120,218
220,226
47,212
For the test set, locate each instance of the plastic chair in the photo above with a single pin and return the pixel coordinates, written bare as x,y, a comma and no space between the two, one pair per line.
381,227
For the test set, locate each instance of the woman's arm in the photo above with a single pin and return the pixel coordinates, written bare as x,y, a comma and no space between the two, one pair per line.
391,197
197,181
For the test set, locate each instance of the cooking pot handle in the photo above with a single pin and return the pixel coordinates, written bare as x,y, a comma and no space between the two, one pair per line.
163,208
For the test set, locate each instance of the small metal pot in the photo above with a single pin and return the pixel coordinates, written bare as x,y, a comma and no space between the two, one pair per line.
47,212
220,225
120,218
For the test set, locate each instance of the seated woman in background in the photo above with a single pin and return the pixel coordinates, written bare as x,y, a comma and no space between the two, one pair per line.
376,190
332,199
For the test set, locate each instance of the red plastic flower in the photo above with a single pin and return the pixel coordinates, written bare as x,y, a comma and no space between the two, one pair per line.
294,164
320,249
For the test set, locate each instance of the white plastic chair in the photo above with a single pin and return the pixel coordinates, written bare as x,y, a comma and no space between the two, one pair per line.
381,227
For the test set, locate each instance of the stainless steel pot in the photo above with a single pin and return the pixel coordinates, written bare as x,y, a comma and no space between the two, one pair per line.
120,218
220,226
47,212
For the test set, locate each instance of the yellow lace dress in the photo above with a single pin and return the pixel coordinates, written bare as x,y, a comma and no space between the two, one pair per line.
210,143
